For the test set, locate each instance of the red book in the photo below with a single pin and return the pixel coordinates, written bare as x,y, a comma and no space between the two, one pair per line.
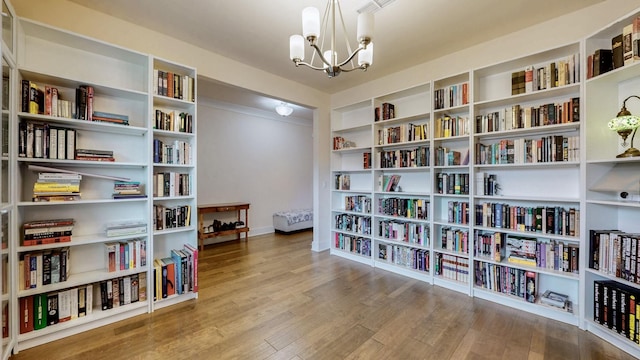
26,314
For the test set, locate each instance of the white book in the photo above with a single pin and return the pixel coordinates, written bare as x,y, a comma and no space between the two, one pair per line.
64,305
73,301
38,142
71,144
62,143
53,143
89,302
126,289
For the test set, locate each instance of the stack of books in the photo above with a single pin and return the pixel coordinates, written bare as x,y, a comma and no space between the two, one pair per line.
53,186
94,155
557,300
47,231
127,190
126,228
521,250
110,117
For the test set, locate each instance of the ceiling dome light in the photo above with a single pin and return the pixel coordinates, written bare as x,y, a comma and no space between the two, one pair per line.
284,109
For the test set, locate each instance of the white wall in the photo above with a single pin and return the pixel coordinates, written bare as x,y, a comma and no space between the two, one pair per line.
254,156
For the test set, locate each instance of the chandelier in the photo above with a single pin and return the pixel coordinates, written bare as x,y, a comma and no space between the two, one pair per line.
327,53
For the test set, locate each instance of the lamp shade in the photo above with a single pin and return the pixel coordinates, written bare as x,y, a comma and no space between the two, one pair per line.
296,47
284,109
365,28
330,56
365,56
310,22
625,122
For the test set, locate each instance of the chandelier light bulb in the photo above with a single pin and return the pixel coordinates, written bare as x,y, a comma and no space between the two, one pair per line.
296,47
365,28
310,22
365,56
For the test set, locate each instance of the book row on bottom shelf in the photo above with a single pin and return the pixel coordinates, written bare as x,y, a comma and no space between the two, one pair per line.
616,307
176,273
451,267
48,309
409,257
352,243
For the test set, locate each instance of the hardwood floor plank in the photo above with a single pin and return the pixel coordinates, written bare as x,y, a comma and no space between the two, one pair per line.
272,298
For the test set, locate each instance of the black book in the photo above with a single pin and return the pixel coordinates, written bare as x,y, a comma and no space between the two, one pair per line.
602,61
617,51
52,309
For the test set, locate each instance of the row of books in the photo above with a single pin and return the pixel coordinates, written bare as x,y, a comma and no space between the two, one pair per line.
48,231
409,232
128,189
41,268
561,72
541,219
524,117
386,111
176,274
448,126
507,280
457,212
615,253
451,267
388,183
48,309
545,254
416,259
42,140
170,84
445,156
123,291
451,96
404,158
616,307
454,183
169,121
624,51
488,245
456,240
340,143
177,152
486,184
410,208
171,183
354,244
552,148
170,217
358,203
353,223
403,133
47,100
126,255
342,182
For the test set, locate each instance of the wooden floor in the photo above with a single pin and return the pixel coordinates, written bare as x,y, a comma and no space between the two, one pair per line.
273,298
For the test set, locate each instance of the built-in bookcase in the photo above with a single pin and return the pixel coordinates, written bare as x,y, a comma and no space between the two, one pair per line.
7,209
527,177
111,113
351,201
173,179
611,280
501,170
450,178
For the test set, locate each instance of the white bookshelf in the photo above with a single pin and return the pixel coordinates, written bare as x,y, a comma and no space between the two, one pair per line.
123,84
178,134
606,177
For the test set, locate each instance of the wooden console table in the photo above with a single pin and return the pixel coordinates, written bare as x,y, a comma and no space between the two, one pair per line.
226,207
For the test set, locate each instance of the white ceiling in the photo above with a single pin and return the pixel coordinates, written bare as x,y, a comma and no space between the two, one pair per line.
407,32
